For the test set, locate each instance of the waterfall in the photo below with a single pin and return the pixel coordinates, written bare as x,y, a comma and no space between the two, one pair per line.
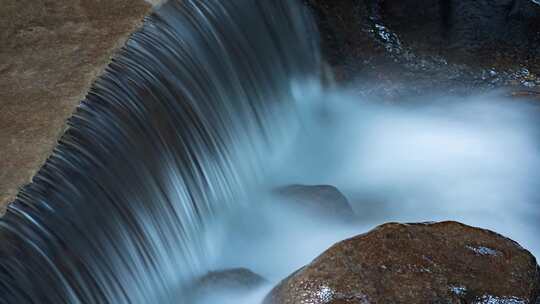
174,132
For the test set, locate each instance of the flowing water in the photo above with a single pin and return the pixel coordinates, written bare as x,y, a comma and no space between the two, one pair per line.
176,132
475,160
166,169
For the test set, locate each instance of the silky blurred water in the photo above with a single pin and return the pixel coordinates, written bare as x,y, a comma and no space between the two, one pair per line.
470,159
178,130
167,167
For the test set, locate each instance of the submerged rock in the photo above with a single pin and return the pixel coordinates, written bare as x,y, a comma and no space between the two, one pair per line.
238,279
444,262
322,201
212,287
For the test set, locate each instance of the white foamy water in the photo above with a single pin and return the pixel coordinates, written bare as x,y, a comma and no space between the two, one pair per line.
474,160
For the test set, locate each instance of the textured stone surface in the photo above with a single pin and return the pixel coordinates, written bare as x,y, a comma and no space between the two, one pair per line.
50,52
402,49
443,262
500,28
322,200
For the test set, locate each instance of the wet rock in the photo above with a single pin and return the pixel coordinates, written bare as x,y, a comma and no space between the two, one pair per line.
444,262
401,49
467,24
474,26
322,200
237,279
343,25
526,95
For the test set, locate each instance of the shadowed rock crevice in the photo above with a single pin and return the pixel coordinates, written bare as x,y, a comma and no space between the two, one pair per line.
407,48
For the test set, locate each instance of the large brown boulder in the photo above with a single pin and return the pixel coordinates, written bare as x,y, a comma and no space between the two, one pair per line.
444,262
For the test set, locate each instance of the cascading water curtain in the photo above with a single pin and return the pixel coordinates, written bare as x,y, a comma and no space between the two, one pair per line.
170,135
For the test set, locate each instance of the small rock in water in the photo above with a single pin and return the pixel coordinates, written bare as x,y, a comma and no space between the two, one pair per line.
237,279
445,262
324,201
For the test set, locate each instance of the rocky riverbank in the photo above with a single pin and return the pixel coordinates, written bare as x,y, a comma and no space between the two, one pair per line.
395,50
432,262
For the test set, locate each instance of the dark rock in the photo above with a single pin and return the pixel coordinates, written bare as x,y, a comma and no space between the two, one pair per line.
467,24
323,201
530,95
444,262
343,26
407,48
237,279
507,26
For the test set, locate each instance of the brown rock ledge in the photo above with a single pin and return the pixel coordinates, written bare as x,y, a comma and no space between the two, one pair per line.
50,52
